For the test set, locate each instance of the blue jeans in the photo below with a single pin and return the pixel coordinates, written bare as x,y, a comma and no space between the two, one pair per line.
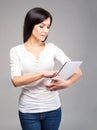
40,121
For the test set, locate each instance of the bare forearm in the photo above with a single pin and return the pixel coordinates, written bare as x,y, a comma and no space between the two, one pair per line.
26,79
74,77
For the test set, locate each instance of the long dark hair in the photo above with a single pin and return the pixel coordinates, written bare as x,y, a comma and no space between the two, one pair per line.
33,17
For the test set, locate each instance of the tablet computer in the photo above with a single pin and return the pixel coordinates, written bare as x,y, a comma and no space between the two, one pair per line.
68,69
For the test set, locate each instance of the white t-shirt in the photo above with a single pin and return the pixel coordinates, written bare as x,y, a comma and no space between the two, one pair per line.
35,97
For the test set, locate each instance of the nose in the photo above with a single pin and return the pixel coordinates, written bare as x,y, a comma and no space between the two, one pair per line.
45,29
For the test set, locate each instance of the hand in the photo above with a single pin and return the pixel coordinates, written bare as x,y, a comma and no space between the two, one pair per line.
50,74
57,84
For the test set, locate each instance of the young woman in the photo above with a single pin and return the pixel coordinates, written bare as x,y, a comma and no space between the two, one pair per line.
32,64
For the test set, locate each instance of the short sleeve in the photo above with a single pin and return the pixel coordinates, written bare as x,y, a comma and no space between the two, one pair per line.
60,55
14,63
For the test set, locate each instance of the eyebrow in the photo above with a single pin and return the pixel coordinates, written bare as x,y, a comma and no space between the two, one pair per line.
45,24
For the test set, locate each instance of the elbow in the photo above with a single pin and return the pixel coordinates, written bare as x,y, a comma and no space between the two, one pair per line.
80,73
15,82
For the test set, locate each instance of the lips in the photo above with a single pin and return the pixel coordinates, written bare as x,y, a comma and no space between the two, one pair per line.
43,35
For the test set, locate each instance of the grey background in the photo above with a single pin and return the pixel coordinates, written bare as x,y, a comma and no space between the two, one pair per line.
74,29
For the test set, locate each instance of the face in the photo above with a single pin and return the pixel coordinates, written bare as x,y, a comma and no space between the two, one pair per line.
40,31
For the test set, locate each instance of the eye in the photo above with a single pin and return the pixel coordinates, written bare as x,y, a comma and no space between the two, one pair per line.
48,27
41,26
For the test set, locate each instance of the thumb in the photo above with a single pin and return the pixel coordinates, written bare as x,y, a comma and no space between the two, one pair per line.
55,78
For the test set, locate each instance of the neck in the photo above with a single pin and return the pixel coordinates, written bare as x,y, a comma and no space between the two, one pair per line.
34,42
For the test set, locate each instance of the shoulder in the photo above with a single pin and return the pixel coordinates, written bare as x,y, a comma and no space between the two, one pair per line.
17,48
51,45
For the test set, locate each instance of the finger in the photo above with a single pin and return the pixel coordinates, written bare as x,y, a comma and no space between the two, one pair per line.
56,78
52,89
49,86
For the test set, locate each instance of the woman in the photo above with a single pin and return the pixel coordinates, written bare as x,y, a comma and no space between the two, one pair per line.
32,65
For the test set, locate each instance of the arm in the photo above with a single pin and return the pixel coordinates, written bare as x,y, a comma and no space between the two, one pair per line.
26,79
59,83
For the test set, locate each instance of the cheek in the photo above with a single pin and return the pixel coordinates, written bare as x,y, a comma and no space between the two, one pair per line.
35,30
35,33
38,31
